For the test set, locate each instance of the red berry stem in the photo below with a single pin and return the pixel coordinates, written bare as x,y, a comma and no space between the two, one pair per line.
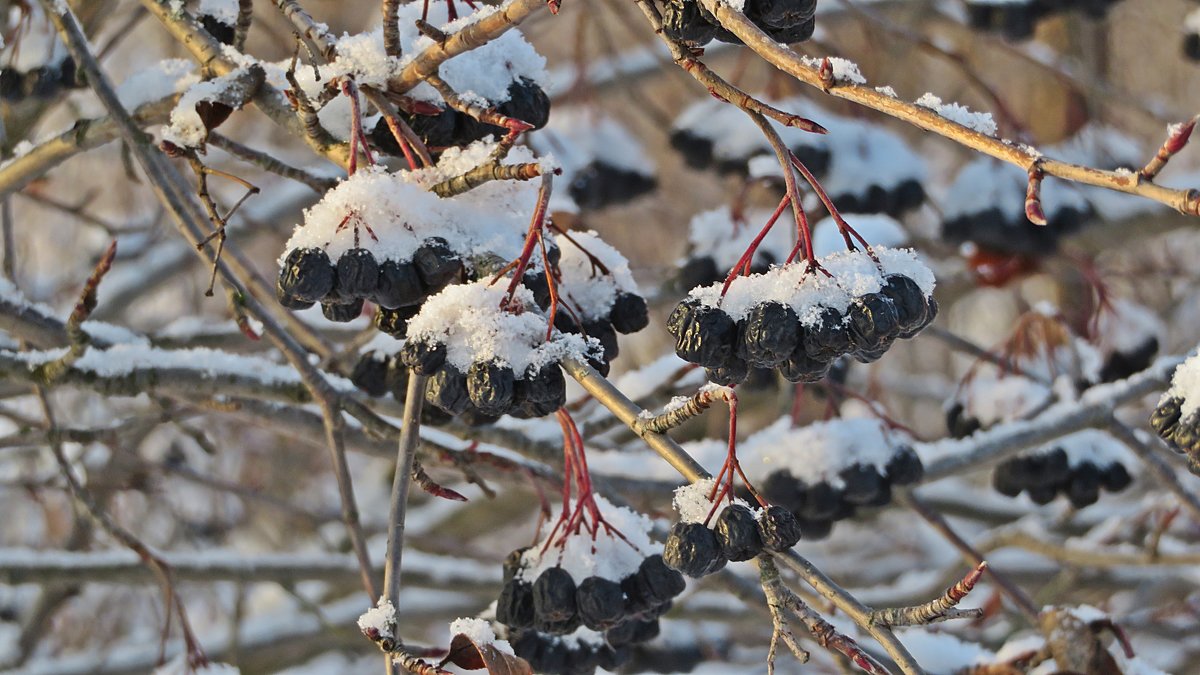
743,263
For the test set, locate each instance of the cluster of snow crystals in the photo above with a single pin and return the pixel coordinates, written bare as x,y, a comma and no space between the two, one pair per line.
1127,327
607,557
843,69
819,451
1185,385
225,11
693,505
467,319
482,73
380,619
402,213
477,631
879,229
169,76
180,665
590,291
854,275
1094,446
886,90
186,129
976,121
989,399
714,233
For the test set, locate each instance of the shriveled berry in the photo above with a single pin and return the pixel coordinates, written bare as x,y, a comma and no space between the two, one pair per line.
737,533
629,313
600,602
537,284
909,300
683,21
307,275
447,389
861,484
904,468
771,334
1049,468
604,332
1042,494
827,338
703,335
370,374
399,285
554,595
514,608
357,274
778,529
693,549
735,371
1121,365
1006,479
423,357
472,417
490,386
394,322
437,264
342,312
1166,416
657,582
872,321
802,367
526,102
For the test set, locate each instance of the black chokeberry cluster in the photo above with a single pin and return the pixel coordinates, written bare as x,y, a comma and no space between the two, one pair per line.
1181,432
552,605
772,335
485,389
818,505
600,184
1017,20
710,134
42,82
1191,46
308,276
217,27
785,21
629,314
1046,474
737,534
448,127
379,374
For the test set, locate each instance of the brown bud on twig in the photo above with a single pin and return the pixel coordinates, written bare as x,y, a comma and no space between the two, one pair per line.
1033,196
825,72
1177,138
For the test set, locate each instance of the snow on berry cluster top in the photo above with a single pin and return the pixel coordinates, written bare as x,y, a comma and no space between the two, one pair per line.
607,557
692,502
482,74
584,285
467,319
818,452
854,275
878,228
576,136
1185,386
1091,446
715,233
402,213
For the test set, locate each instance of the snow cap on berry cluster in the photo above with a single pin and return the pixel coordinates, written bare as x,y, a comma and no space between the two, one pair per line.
819,451
576,136
584,285
807,292
482,74
607,556
693,504
468,319
402,213
1185,386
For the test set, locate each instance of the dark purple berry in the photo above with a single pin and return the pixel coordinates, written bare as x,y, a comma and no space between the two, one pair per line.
514,608
422,357
399,285
600,602
629,313
554,595
737,533
342,312
447,389
904,468
490,387
771,335
778,529
357,274
370,374
307,275
693,549
703,335
437,264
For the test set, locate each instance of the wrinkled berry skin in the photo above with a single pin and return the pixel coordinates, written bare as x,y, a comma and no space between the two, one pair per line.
629,313
357,274
778,529
772,333
491,387
703,335
437,264
554,595
911,307
828,338
307,276
447,389
693,549
342,312
514,608
737,533
873,323
394,322
370,374
600,602
424,358
398,285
